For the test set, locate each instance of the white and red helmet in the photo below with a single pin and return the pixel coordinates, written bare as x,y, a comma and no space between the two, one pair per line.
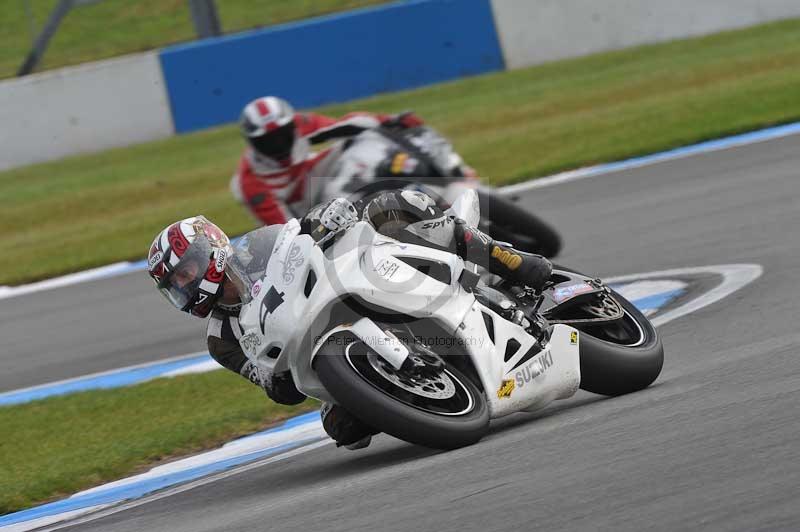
187,262
268,124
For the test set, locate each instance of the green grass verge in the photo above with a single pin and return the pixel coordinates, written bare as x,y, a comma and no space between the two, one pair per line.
114,27
55,447
92,210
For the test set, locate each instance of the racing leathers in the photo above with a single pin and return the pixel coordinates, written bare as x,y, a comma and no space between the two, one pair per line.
408,216
270,192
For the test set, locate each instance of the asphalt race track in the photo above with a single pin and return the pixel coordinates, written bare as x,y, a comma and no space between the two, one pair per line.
712,444
90,327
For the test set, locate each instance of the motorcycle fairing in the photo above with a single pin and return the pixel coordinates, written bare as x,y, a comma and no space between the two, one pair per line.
287,331
572,289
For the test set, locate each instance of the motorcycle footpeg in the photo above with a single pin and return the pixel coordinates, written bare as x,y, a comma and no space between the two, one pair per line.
518,317
468,280
538,328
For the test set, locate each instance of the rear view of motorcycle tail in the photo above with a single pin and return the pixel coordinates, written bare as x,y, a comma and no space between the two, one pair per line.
421,158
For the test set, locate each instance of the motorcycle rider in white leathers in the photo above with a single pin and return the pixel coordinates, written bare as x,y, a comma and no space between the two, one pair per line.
188,262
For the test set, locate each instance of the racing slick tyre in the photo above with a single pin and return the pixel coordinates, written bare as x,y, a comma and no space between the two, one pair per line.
615,362
620,357
443,410
511,223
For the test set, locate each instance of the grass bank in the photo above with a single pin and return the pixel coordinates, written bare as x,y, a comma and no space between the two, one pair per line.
115,27
96,209
55,447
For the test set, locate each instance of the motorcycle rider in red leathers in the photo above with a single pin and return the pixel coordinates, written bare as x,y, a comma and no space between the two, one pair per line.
275,169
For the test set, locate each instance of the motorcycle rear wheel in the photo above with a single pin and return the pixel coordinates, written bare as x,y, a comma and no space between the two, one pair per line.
511,223
618,364
619,357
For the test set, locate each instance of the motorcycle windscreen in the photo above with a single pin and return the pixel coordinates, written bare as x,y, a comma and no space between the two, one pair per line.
251,257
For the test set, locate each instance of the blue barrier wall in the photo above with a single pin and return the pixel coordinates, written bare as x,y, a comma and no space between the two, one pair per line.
331,59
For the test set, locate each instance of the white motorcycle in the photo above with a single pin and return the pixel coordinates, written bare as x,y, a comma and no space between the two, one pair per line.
413,343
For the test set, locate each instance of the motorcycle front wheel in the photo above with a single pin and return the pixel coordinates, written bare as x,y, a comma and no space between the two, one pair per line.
445,410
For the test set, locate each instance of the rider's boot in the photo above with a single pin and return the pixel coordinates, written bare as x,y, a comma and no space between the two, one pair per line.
360,444
500,258
344,428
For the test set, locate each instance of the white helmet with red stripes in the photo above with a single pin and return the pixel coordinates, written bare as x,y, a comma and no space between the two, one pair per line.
187,262
268,124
